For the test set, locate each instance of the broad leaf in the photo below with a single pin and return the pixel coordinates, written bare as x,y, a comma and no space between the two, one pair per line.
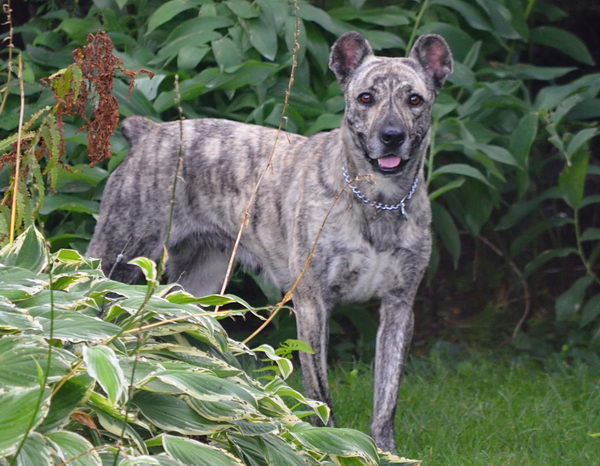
103,365
192,452
74,449
18,407
28,251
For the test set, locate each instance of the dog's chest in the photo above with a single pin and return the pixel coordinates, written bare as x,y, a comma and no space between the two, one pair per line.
368,262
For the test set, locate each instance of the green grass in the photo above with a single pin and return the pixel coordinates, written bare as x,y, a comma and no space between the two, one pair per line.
479,412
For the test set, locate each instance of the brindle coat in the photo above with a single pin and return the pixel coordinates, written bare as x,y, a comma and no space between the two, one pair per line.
362,253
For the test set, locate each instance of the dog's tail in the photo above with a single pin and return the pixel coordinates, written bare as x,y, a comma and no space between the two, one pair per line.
137,127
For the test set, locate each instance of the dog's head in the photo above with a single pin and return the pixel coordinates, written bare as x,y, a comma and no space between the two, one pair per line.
389,100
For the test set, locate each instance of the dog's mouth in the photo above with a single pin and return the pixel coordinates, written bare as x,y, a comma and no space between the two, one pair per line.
389,164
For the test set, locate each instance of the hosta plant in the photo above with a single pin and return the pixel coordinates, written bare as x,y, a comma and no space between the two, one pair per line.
97,372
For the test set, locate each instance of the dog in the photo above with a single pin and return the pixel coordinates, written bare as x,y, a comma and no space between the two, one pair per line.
367,176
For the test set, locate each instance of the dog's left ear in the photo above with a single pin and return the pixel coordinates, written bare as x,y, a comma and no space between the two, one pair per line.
348,52
434,55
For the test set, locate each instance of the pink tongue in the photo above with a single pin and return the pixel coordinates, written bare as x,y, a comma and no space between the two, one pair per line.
390,161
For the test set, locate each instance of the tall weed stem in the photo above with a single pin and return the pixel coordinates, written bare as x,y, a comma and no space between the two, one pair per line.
413,33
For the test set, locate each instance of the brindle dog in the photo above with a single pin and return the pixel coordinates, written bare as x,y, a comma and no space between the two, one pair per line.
375,244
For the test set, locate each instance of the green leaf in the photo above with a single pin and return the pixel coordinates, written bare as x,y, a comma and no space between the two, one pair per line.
456,183
262,37
380,40
525,238
284,364
471,14
74,326
500,17
569,302
189,56
206,386
445,228
267,449
18,407
103,365
391,16
174,415
74,449
70,203
192,452
242,8
148,267
35,451
461,169
546,256
227,53
71,395
27,251
590,311
522,139
320,17
168,11
337,442
325,122
591,234
22,356
250,73
562,40
572,179
551,96
579,139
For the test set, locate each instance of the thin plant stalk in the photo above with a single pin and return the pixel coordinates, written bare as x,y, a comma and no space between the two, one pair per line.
13,213
140,337
7,10
288,296
413,34
246,216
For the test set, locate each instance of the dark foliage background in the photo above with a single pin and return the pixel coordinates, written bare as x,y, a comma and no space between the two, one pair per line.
513,173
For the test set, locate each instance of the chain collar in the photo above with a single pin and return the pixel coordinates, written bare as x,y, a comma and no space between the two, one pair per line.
401,206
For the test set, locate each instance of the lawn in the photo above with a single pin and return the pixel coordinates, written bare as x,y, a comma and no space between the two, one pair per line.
479,412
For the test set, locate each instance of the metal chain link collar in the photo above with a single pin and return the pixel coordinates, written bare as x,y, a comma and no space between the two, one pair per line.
378,205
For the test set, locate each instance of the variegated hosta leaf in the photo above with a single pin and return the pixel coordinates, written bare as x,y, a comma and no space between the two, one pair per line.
284,364
194,356
174,415
35,451
65,401
200,454
270,449
27,251
206,387
21,359
103,365
18,407
74,450
279,387
14,319
17,283
347,443
73,326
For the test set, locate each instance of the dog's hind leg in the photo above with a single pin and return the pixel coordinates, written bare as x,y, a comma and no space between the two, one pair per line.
394,335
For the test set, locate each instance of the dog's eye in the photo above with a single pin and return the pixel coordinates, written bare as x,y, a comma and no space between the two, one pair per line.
366,98
415,99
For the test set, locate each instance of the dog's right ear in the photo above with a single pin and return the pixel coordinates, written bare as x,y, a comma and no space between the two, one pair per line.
348,52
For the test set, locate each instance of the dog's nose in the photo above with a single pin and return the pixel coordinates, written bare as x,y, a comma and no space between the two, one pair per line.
392,136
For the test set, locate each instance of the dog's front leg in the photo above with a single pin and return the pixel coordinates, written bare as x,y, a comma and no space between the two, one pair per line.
393,340
312,320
